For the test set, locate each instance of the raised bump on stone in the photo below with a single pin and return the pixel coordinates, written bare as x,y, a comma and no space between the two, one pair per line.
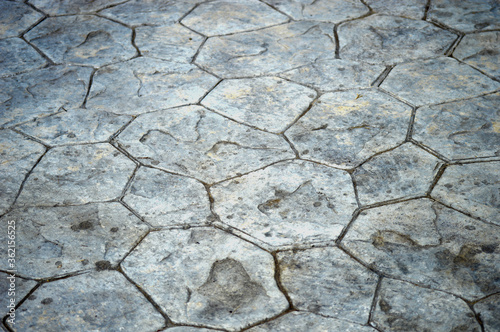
481,50
17,57
16,17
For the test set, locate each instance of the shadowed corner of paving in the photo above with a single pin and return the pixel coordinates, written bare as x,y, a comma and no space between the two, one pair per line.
250,165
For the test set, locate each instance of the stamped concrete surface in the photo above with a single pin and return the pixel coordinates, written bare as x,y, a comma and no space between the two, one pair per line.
250,165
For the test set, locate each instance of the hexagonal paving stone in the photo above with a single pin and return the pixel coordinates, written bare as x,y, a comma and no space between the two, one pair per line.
391,39
472,188
462,129
328,282
18,156
65,7
436,81
100,301
82,39
164,199
18,57
145,85
42,92
424,242
54,241
224,282
267,103
77,175
293,202
407,8
345,128
192,141
405,307
489,311
481,50
15,18
20,287
466,16
269,50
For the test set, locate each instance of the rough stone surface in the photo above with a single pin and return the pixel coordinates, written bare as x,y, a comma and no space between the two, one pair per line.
424,242
21,288
17,57
391,39
85,40
407,8
489,310
462,129
406,171
65,7
164,199
481,50
436,81
225,282
100,301
193,141
54,241
288,203
326,281
345,128
77,175
145,85
267,103
190,329
405,307
269,50
15,18
472,188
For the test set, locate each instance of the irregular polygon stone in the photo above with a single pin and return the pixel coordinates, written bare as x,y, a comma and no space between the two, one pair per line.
269,50
16,17
99,301
224,282
145,85
424,242
75,126
53,241
462,129
407,8
18,155
391,39
21,288
65,7
489,311
466,16
335,74
472,188
164,199
41,92
77,175
195,142
481,50
327,281
17,57
268,103
345,128
82,39
405,307
293,202
437,80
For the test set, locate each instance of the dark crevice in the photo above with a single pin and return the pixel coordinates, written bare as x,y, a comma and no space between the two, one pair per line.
374,301
426,10
337,43
439,173
91,81
43,55
409,132
378,81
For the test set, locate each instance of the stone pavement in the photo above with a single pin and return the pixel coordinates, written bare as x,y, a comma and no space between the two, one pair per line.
256,165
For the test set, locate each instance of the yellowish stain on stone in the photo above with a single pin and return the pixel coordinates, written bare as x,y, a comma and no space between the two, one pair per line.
496,126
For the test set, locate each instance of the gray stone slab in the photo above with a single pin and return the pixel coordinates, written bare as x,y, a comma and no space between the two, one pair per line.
18,156
328,282
18,290
462,129
335,74
424,242
82,39
55,241
288,203
472,188
18,56
466,16
145,85
482,51
405,307
489,311
100,301
390,39
66,7
75,126
407,8
406,171
345,128
268,51
436,81
165,199
41,92
15,18
224,282
77,175
268,103
195,142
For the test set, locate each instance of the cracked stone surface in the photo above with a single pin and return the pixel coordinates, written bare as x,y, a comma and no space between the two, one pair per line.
260,102
407,8
489,309
22,288
356,124
225,283
17,57
65,7
481,50
16,17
